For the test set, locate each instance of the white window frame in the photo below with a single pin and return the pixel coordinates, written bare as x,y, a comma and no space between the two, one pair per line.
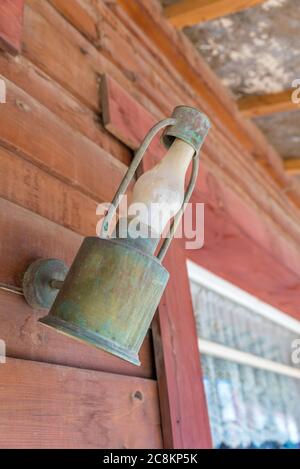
209,280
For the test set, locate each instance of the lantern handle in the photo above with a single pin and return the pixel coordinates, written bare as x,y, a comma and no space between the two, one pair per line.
131,170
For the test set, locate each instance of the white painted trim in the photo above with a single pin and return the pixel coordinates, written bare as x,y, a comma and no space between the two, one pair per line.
226,353
203,277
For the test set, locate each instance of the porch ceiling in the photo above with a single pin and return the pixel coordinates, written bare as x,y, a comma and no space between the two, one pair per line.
256,52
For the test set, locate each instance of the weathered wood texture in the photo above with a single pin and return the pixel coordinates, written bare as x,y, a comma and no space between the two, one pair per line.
181,390
60,150
48,39
136,68
27,185
26,237
51,406
11,15
55,161
189,12
263,105
26,338
50,94
292,165
59,162
129,126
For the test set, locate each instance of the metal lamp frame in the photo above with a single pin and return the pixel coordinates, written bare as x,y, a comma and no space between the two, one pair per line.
139,155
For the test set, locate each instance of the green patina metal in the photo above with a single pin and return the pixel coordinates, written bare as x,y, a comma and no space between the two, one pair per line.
191,126
109,296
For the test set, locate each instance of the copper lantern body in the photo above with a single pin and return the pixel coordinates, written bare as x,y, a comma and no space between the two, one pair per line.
109,296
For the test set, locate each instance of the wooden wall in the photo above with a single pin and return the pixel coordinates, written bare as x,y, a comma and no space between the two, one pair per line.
58,161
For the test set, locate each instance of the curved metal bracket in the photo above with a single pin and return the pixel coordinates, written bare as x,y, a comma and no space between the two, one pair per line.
131,170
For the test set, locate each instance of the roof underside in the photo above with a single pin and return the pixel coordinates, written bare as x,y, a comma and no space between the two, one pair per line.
257,52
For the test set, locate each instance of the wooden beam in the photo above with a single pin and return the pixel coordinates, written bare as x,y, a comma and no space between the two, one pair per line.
185,421
254,106
11,15
292,165
46,30
77,15
189,12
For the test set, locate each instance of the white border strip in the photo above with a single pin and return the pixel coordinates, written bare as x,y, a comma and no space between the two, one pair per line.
203,277
226,353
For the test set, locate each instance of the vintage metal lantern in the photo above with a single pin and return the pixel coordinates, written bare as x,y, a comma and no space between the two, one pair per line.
109,295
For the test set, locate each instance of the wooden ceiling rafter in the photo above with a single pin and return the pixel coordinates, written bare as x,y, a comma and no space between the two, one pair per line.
263,105
292,166
190,12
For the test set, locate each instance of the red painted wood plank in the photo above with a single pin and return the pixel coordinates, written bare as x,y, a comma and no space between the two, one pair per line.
128,123
230,253
11,15
50,143
126,119
29,77
51,406
181,391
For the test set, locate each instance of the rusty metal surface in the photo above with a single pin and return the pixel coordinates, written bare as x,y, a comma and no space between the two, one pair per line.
109,296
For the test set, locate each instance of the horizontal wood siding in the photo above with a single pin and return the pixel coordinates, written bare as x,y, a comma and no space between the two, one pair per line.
52,406
57,163
47,141
11,16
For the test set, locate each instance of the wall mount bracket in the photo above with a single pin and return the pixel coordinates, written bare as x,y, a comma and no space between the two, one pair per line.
42,281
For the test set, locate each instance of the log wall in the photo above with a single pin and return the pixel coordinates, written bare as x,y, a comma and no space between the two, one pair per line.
59,160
